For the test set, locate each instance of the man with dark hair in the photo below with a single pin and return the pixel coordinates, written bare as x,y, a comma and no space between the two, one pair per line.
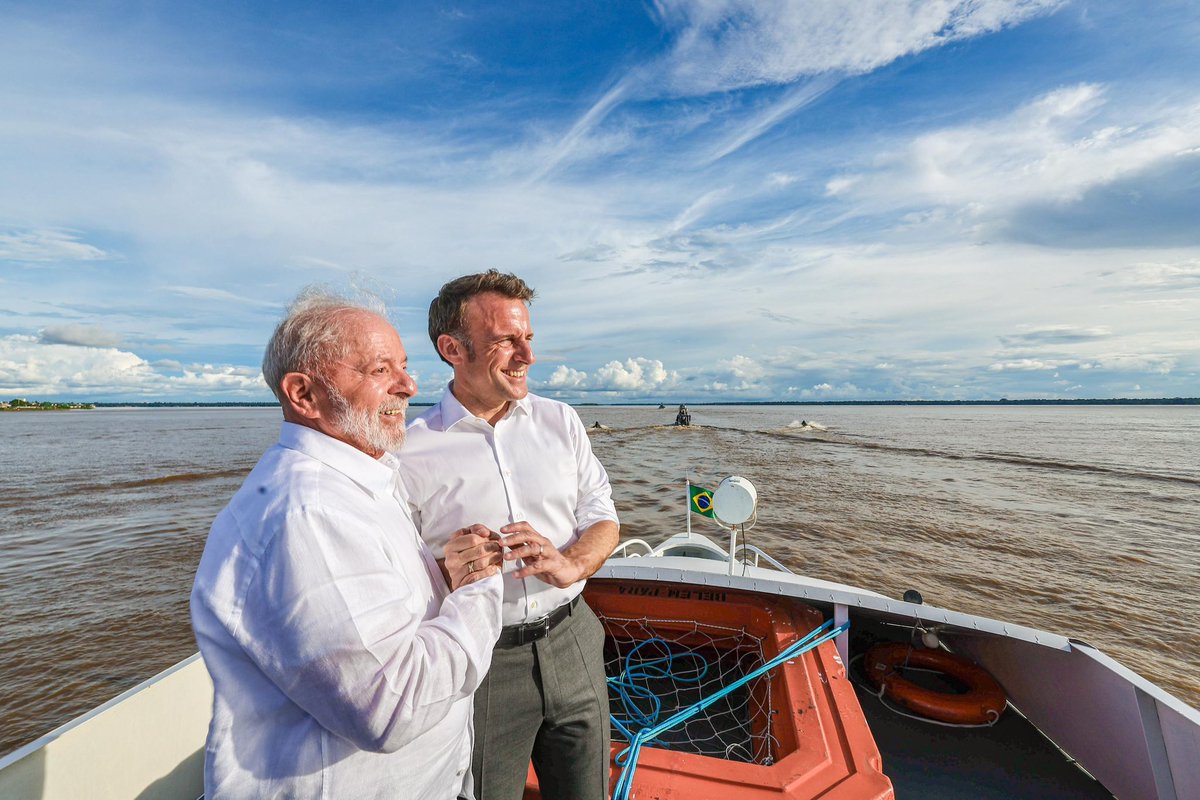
492,453
342,665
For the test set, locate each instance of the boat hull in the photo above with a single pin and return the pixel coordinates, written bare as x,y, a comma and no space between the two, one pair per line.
812,738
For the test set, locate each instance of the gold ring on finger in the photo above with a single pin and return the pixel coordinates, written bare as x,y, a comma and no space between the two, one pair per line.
470,567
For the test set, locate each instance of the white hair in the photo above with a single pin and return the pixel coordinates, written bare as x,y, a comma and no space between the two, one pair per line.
311,336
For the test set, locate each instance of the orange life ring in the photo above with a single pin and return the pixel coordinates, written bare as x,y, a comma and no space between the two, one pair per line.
982,703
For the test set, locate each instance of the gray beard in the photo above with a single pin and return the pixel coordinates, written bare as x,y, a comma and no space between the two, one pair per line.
365,428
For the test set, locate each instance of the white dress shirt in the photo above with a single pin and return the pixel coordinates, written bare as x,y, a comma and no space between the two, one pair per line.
535,465
342,666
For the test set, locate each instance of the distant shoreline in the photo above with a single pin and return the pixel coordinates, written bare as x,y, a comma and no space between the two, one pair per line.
1122,401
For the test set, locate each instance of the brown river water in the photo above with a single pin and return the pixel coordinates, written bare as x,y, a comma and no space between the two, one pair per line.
1081,520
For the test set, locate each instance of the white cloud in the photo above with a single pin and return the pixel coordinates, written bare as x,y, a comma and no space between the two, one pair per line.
743,368
82,335
1035,335
825,391
1117,362
33,369
219,295
565,377
743,376
1026,365
47,245
1148,275
1050,150
1137,362
806,45
632,376
793,100
635,374
725,44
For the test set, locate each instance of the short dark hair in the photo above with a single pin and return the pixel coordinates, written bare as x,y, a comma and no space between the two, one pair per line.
448,311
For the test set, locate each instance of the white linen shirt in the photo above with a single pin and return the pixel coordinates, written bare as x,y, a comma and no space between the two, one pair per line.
535,465
342,666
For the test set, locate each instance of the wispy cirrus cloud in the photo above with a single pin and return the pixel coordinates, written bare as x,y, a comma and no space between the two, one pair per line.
217,295
1159,276
1055,335
1013,172
41,246
723,45
809,46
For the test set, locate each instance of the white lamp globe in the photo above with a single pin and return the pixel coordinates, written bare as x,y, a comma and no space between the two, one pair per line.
734,500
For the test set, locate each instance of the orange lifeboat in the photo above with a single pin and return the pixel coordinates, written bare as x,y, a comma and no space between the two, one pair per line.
818,743
981,704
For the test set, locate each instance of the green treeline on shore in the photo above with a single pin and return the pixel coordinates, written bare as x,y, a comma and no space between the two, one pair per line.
18,404
1115,401
21,404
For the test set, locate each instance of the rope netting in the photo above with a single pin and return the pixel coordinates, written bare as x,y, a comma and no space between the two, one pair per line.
658,667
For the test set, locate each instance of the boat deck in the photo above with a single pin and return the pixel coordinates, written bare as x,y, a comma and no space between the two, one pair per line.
1012,759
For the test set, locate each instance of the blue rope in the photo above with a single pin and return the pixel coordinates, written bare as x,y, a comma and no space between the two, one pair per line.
635,696
627,759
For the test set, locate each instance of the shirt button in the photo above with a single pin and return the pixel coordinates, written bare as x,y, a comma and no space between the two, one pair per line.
533,604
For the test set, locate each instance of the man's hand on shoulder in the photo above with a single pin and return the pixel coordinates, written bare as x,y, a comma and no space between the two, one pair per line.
472,554
542,559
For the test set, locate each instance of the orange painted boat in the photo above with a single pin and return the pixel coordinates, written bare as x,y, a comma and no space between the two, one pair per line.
805,729
805,735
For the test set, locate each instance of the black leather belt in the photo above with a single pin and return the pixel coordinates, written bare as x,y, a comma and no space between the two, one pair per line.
517,635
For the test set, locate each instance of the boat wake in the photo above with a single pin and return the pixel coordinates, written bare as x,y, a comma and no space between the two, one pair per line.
1010,458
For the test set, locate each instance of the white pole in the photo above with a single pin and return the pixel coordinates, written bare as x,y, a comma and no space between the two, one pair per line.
732,547
687,491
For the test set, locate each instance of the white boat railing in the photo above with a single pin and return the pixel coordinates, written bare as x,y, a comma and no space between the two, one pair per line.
640,548
622,549
742,550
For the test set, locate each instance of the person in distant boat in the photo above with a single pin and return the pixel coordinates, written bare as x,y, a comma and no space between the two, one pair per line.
342,665
684,417
490,452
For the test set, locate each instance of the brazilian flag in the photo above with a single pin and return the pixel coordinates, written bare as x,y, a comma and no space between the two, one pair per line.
701,501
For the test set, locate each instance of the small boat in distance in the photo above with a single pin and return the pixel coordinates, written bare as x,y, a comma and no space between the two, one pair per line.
730,676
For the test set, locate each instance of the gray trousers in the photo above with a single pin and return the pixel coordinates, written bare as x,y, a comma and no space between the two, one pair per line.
546,702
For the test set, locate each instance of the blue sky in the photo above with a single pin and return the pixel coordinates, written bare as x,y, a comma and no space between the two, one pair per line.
793,200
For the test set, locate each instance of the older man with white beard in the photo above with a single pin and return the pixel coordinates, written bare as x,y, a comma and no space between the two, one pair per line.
342,665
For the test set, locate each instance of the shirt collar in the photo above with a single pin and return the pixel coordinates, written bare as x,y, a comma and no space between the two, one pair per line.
377,475
454,412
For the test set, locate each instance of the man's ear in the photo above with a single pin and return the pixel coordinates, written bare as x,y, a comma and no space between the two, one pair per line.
452,349
300,394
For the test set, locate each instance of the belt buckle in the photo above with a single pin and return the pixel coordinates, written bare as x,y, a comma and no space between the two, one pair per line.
532,631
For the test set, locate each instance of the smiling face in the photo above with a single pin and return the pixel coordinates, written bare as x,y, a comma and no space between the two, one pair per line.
361,398
492,368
